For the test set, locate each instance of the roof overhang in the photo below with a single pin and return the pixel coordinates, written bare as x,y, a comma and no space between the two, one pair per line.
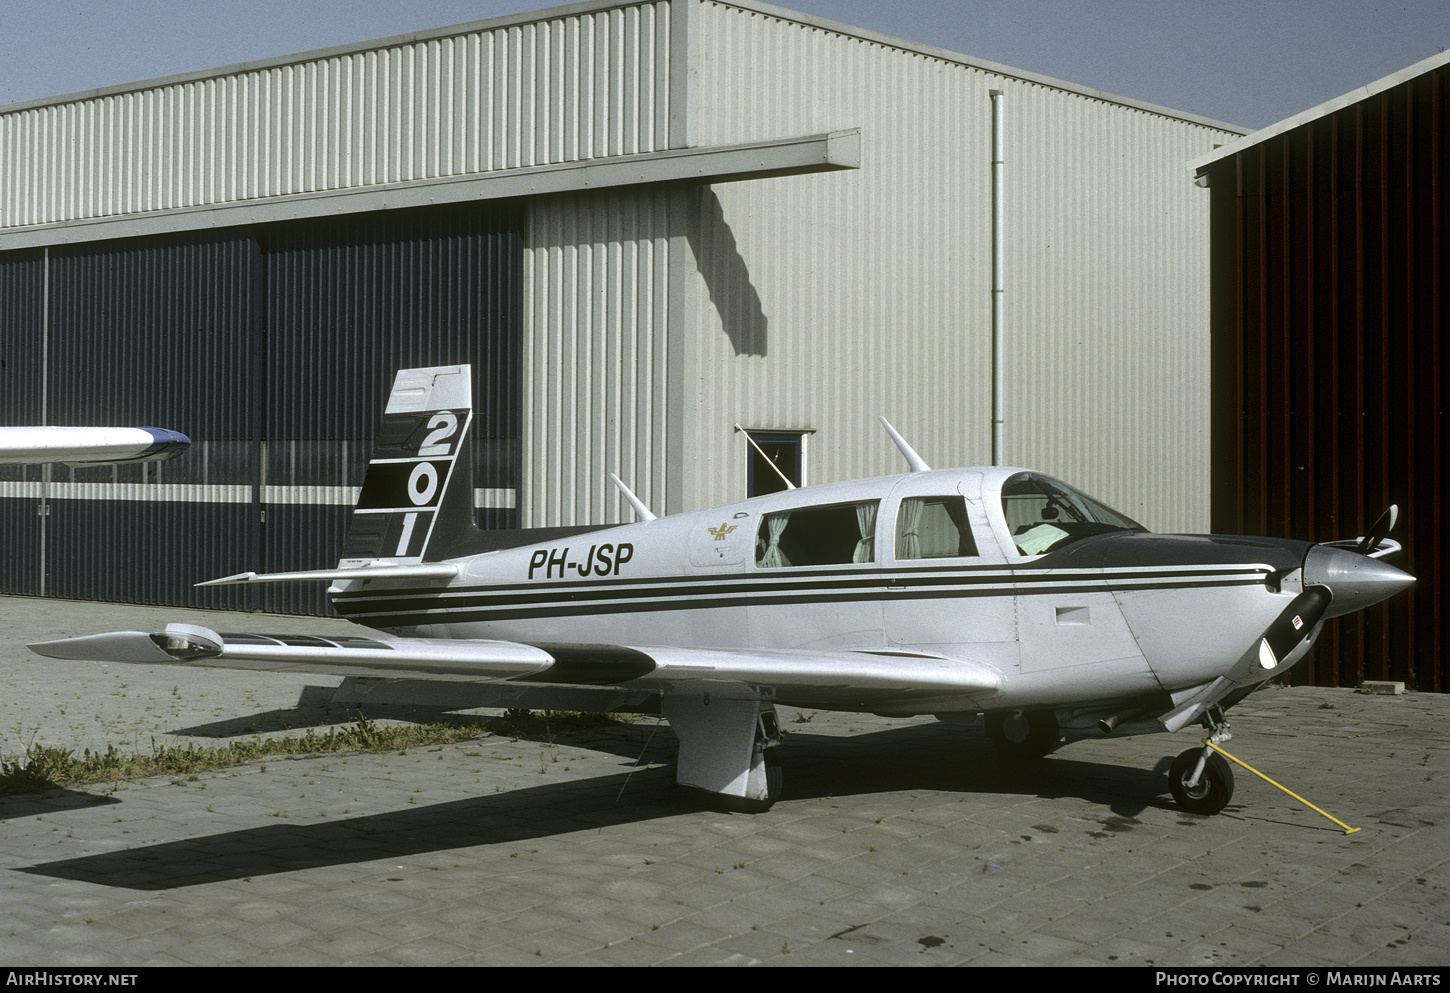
829,152
1202,164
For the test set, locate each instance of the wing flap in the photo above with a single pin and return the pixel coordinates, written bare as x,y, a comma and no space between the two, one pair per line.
864,671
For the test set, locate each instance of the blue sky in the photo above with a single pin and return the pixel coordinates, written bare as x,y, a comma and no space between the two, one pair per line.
1246,62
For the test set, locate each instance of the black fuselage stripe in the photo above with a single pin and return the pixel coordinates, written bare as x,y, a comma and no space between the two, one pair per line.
395,599
856,577
413,613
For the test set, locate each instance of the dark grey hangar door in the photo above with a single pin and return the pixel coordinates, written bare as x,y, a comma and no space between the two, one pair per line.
349,303
22,312
272,348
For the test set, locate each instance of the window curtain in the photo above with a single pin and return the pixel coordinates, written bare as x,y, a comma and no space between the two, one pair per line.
908,522
775,524
866,520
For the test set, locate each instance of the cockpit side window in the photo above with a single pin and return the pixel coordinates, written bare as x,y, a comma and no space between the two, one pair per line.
1043,513
838,535
933,528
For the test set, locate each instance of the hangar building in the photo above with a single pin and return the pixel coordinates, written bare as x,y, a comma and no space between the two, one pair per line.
643,223
1329,311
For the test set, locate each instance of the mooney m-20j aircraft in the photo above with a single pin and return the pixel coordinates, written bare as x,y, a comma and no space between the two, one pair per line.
956,592
88,446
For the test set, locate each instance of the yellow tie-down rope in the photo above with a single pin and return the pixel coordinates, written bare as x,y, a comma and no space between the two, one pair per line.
1296,796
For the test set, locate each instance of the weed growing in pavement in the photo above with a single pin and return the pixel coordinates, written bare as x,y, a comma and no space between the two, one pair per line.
45,767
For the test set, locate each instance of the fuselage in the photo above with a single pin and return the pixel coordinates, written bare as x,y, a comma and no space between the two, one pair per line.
1071,603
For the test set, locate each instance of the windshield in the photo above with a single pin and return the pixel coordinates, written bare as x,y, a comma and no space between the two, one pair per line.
1043,513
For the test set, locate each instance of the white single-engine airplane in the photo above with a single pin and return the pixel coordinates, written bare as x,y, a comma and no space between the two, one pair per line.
88,446
956,592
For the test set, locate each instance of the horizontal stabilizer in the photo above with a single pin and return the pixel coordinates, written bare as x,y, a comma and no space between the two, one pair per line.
437,572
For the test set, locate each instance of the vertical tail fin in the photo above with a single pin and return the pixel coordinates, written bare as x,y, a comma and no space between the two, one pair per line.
417,496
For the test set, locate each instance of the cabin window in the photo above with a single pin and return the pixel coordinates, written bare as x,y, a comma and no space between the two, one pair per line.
837,535
1043,513
933,528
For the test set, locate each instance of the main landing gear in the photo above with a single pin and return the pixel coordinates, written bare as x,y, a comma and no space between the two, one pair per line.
727,748
1201,781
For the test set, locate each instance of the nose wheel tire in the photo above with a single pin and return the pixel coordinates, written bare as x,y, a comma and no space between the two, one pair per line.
1214,789
1029,734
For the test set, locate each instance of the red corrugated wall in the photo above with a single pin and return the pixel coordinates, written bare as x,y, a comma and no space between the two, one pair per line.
1328,324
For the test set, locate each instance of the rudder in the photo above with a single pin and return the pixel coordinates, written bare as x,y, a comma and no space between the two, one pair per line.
417,497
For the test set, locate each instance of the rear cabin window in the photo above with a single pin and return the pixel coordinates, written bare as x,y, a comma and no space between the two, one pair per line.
933,528
838,535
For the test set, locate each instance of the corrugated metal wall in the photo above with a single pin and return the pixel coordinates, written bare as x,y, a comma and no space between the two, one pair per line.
273,349
655,319
1107,288
22,375
562,89
596,354
823,301
154,332
1329,321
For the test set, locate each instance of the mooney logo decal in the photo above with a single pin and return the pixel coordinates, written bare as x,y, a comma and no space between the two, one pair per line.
722,530
601,560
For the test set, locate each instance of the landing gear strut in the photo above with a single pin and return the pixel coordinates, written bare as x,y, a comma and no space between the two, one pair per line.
1201,781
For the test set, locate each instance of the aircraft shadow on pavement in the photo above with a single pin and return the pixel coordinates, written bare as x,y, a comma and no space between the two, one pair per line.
884,762
20,806
952,759
315,709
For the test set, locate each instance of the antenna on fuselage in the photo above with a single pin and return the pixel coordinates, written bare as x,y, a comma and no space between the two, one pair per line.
788,484
907,452
640,510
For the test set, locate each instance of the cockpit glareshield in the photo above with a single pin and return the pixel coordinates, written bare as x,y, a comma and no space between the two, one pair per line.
1043,513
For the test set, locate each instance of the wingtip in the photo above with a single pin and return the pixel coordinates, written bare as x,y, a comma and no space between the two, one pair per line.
241,577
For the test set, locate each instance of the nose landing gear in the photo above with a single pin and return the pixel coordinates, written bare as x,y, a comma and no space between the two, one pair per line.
1201,781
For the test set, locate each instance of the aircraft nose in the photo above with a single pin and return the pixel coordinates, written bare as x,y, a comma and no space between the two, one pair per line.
1354,581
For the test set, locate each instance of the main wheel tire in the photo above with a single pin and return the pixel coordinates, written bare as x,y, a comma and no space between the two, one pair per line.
1029,734
1215,788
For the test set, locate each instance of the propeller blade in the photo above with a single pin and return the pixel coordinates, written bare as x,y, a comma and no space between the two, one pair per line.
1382,527
1292,626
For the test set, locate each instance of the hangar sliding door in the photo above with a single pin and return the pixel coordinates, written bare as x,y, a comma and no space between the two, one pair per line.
273,348
22,316
348,304
153,332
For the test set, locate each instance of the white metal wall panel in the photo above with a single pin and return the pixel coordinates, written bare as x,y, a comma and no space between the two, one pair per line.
595,355
562,89
825,301
873,287
1107,361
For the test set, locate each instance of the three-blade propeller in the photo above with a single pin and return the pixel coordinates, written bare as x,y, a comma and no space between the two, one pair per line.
1335,573
1381,529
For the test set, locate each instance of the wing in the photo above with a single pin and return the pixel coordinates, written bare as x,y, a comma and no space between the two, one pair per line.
851,680
88,446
